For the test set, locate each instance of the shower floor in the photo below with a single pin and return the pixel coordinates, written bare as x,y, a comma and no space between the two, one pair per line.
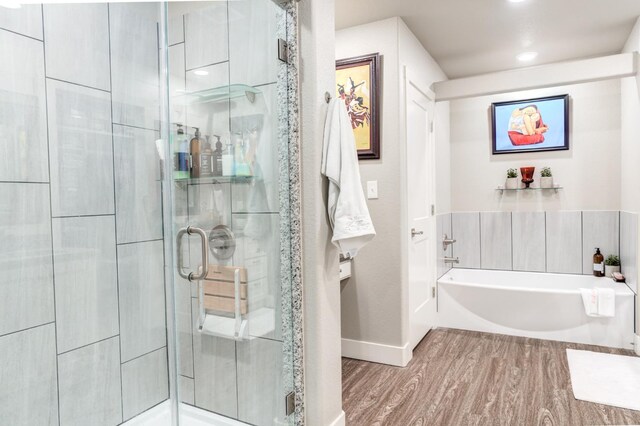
160,415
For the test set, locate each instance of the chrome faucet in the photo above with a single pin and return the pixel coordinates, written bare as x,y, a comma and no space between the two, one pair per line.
448,259
446,241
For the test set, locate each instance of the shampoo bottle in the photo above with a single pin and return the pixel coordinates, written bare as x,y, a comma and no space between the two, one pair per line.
181,155
598,264
227,161
196,147
206,160
217,158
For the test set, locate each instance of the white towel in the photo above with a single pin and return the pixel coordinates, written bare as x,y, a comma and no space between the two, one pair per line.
346,205
599,302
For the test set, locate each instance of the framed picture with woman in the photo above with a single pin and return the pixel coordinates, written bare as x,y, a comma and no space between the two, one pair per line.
540,124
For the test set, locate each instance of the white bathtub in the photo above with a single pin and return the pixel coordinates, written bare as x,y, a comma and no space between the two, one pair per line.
543,306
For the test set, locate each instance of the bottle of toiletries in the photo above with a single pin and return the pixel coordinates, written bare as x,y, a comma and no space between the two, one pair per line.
206,160
181,154
598,263
195,147
227,161
217,158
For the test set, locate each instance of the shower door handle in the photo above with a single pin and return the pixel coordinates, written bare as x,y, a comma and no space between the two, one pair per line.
204,268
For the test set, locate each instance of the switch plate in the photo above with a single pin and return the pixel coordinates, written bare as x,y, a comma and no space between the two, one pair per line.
372,189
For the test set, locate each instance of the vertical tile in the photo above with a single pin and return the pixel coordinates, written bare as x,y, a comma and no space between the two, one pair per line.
185,389
90,385
258,250
257,123
183,326
175,30
206,35
465,228
529,241
214,372
81,150
29,391
629,248
137,179
23,110
76,41
599,229
252,44
260,390
495,240
564,242
84,251
134,64
145,383
26,271
26,20
142,302
443,226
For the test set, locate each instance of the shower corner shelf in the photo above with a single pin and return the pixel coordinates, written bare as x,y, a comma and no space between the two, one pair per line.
220,94
502,190
215,180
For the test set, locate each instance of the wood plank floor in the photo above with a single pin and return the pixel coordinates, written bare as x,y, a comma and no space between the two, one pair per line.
468,378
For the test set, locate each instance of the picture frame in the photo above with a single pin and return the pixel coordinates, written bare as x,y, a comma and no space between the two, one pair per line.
530,125
358,85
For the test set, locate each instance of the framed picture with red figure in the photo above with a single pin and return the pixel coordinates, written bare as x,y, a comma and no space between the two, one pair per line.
528,125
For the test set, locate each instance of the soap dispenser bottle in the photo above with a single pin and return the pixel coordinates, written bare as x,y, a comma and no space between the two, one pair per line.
598,264
196,147
181,154
227,161
206,160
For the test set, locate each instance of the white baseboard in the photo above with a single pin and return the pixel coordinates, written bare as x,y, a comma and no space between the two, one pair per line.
377,352
340,420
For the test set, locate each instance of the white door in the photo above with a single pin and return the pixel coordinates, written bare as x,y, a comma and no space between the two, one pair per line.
421,230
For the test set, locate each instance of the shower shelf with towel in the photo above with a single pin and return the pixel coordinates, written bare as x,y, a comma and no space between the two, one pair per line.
222,292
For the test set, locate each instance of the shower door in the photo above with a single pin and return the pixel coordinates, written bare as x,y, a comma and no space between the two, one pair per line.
227,175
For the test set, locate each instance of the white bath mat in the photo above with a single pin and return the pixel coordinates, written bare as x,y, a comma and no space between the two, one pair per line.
605,378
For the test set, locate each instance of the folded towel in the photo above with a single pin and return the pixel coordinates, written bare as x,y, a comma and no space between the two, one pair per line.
599,302
347,206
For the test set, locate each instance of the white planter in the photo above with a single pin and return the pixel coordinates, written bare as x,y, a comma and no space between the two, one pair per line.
609,270
511,183
546,182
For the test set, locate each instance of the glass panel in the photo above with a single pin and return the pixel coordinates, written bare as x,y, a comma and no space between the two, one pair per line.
229,177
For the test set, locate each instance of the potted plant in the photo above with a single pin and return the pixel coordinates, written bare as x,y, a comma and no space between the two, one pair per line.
611,265
512,179
546,178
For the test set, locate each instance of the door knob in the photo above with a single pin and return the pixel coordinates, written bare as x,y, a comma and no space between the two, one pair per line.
414,232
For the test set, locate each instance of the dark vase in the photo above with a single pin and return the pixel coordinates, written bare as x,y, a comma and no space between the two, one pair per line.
527,175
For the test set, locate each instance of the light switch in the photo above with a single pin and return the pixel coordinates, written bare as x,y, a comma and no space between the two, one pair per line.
372,189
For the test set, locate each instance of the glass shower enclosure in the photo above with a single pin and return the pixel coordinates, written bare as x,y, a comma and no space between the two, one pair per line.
145,214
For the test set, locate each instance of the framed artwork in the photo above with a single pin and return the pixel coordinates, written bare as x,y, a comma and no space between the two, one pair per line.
530,125
358,85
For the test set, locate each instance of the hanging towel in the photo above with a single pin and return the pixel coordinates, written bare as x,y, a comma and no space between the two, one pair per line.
599,302
346,205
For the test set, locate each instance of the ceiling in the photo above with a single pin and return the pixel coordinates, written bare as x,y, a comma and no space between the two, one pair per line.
470,37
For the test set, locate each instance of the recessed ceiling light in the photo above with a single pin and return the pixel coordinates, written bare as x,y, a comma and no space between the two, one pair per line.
527,56
201,72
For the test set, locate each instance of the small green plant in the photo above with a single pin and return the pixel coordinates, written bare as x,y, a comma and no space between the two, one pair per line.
512,173
546,172
612,260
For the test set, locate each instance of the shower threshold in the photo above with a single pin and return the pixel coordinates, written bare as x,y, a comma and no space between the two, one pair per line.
160,415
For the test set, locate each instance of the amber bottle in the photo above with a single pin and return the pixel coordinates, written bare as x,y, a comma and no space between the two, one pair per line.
598,264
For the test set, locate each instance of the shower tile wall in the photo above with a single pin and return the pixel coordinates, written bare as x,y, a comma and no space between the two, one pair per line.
82,304
557,242
240,380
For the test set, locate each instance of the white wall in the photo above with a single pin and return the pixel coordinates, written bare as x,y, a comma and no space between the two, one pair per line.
322,346
589,172
630,117
373,299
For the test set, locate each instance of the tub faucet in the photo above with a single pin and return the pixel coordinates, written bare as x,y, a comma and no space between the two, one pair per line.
446,241
448,259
